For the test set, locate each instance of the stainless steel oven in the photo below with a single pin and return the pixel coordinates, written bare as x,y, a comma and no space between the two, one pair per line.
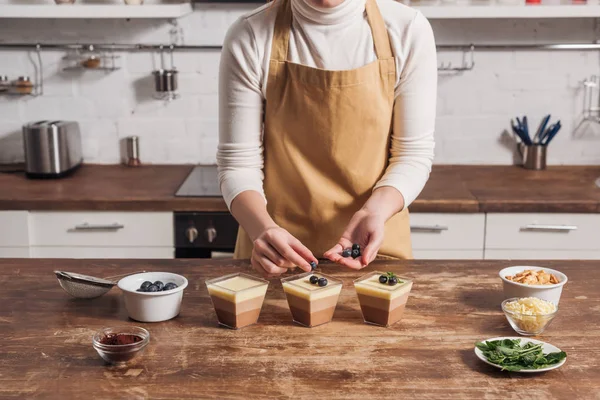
203,234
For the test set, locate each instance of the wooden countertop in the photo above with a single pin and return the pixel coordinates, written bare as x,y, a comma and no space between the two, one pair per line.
450,189
47,352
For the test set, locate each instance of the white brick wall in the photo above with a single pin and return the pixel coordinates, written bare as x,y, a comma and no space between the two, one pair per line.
474,108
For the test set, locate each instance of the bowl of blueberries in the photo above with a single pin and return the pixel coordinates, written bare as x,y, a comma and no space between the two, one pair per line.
153,296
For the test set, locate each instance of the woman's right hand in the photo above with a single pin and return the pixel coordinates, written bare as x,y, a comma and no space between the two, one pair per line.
276,250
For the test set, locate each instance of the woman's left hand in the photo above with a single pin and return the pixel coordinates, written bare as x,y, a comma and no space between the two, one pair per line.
365,228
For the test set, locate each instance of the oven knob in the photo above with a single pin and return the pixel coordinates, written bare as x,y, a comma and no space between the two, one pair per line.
191,233
211,234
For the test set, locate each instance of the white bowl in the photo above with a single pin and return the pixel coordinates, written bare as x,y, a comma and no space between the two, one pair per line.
152,306
545,292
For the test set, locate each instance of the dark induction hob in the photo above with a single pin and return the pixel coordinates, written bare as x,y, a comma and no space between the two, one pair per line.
203,181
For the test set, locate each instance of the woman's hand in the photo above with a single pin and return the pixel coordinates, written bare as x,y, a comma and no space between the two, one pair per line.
365,228
276,250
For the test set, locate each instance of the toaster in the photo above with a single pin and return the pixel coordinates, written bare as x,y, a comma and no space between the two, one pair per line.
52,148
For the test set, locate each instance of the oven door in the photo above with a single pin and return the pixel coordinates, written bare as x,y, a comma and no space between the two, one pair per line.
204,234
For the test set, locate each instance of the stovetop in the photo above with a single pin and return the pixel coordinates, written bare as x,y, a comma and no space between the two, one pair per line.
203,181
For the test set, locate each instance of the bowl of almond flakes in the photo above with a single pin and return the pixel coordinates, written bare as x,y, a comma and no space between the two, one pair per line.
529,281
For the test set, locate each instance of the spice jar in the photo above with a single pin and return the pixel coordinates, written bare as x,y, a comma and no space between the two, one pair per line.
4,83
23,85
91,62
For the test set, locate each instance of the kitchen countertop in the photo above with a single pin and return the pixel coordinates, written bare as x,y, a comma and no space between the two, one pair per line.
450,189
47,352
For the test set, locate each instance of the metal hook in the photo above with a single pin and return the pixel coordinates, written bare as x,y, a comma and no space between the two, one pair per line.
171,54
40,72
467,65
162,57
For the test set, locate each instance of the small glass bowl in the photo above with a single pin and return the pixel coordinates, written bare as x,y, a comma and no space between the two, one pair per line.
527,325
117,354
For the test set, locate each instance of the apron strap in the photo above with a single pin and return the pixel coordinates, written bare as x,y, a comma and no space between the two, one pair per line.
281,34
383,48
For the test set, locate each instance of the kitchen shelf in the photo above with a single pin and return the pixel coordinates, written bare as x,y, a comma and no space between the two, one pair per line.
96,11
522,11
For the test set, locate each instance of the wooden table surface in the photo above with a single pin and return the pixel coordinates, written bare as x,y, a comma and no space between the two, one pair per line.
46,349
466,188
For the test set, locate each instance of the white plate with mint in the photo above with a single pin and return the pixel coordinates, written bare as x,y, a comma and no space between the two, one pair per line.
516,354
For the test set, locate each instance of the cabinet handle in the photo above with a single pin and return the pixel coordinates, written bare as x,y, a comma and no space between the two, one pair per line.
87,227
549,228
428,228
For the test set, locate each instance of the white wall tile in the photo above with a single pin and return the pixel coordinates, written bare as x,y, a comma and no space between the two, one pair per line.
474,107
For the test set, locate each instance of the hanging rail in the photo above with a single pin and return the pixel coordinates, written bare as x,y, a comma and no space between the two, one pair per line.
154,47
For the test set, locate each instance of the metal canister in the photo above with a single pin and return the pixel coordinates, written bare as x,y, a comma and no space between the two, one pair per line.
534,156
133,151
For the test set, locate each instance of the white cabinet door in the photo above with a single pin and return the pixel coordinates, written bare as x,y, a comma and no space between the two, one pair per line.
447,231
102,229
102,252
543,231
14,229
542,255
448,254
14,252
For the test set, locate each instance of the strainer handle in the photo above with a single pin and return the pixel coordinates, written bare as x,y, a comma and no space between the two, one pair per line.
122,275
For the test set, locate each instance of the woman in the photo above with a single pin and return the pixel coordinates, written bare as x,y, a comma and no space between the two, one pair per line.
333,106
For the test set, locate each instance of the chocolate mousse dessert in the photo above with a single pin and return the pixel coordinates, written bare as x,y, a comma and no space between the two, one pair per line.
382,297
237,299
312,297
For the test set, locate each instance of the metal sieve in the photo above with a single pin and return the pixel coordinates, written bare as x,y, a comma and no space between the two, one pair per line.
85,286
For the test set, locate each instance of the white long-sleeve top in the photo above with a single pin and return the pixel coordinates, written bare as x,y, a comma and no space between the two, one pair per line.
337,38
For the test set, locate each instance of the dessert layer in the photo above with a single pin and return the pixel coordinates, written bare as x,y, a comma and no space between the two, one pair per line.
372,287
237,320
382,304
238,289
237,307
302,287
313,305
303,317
381,317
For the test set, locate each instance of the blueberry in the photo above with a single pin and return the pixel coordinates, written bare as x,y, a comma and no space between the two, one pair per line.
383,279
314,279
313,265
152,288
322,282
346,253
392,280
356,246
145,285
170,286
141,290
355,253
159,285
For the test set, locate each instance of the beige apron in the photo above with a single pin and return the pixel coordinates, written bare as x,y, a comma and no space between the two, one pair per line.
326,143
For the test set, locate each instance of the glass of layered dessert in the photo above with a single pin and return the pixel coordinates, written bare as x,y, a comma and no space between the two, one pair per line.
382,297
237,299
312,297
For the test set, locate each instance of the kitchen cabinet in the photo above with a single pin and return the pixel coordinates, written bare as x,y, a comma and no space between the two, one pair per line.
447,236
14,234
102,252
542,255
101,234
102,229
542,235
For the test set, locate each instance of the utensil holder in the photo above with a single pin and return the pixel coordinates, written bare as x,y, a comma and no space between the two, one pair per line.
534,156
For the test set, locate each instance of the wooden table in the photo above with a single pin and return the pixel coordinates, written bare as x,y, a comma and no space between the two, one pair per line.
46,349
